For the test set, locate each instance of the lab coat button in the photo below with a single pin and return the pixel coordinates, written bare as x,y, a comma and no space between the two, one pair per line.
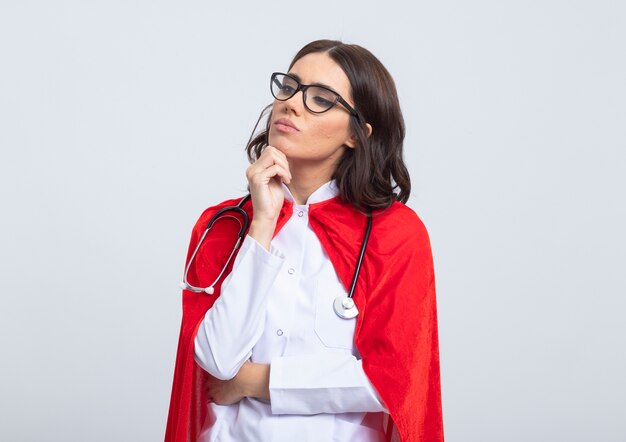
279,332
291,271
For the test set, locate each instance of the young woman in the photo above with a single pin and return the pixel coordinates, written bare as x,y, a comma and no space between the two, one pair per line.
323,326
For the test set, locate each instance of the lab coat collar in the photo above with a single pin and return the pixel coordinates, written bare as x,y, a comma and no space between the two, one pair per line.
325,192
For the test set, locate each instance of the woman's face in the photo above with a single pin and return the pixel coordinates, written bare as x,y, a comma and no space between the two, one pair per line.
317,139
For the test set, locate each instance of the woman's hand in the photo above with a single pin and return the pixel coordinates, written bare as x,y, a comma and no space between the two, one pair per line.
264,179
223,392
251,381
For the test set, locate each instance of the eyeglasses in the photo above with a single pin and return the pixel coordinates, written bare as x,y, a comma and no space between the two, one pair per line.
317,99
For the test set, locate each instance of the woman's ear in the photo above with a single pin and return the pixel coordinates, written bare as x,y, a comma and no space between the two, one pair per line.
352,140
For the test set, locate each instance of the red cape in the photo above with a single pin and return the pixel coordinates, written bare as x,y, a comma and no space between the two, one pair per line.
396,331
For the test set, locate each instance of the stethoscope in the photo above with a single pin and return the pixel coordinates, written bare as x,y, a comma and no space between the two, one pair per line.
343,305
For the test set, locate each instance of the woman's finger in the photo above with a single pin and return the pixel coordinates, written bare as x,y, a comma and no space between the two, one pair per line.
276,171
268,158
258,171
260,177
278,156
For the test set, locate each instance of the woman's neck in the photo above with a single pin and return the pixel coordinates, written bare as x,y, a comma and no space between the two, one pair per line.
304,182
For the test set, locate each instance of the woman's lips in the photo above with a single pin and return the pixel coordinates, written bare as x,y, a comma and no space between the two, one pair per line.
285,126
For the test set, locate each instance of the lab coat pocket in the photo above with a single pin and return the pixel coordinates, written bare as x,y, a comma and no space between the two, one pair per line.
333,331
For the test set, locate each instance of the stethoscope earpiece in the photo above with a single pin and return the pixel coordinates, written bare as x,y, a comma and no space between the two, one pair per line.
208,290
243,228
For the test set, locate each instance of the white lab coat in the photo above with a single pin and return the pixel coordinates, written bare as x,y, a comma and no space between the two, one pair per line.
276,308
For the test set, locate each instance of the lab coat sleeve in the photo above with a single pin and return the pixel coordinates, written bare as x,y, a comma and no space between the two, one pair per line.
321,383
234,324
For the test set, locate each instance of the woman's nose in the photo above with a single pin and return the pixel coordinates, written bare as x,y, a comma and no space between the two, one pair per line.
295,103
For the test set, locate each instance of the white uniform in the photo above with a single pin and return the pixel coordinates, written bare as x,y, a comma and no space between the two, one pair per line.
276,308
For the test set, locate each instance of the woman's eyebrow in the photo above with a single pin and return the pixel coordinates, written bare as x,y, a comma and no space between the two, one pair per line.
297,77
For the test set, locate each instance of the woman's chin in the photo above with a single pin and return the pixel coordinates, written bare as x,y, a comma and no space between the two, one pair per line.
279,144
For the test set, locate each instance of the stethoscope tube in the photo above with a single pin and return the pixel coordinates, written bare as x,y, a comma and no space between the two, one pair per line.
344,305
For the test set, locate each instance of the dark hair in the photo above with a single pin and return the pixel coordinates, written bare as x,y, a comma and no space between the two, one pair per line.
368,175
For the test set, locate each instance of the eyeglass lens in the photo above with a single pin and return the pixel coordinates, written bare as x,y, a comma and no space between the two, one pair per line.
316,99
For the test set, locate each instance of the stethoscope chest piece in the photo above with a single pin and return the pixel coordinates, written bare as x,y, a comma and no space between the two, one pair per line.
345,308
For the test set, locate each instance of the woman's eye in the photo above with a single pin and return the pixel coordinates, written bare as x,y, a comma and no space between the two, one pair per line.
285,88
322,101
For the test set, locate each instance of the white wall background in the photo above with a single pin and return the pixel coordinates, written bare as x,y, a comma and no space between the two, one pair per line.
116,132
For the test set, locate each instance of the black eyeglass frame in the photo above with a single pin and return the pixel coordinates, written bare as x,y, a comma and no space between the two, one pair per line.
304,87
